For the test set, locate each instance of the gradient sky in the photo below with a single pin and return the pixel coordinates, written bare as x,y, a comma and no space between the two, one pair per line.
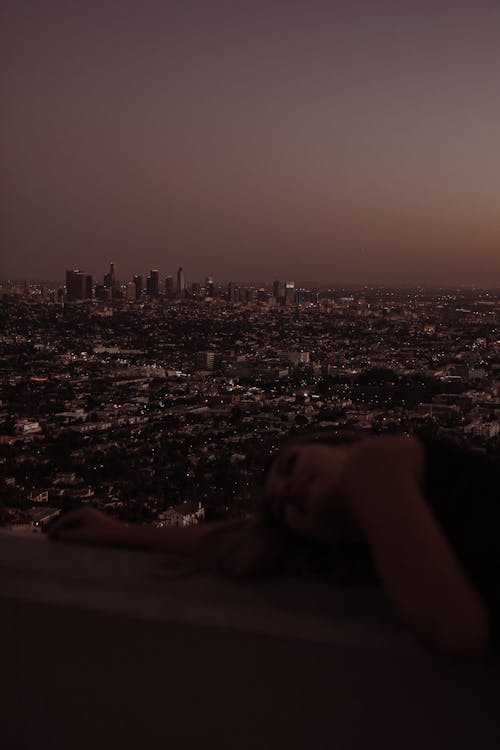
340,141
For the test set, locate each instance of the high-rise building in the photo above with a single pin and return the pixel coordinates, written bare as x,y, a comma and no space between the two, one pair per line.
110,278
209,286
88,286
78,285
277,290
138,286
205,360
181,283
111,281
250,294
74,285
231,292
289,292
303,295
153,283
103,293
130,290
169,286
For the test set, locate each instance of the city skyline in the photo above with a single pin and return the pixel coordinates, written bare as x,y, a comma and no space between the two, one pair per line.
58,280
350,142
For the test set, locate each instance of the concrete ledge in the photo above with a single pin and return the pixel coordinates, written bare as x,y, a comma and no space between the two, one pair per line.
105,649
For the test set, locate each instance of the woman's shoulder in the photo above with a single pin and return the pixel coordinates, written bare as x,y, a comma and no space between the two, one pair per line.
401,454
458,478
429,458
448,453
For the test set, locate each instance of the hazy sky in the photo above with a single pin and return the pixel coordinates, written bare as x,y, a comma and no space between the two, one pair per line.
355,140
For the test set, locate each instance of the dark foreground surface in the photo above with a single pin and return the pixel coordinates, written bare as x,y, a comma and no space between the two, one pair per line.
104,649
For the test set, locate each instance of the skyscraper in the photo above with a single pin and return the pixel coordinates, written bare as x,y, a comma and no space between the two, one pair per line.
250,294
88,286
289,292
110,278
181,283
209,286
74,285
138,286
169,287
153,283
277,290
78,285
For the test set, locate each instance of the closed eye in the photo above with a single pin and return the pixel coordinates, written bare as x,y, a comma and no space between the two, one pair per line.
288,462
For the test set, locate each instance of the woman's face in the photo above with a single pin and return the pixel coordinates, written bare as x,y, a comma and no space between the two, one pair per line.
302,483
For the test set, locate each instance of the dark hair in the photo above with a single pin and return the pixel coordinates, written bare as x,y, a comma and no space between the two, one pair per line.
302,437
263,545
280,550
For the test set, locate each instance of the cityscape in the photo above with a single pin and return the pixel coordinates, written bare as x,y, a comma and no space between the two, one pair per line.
250,375
161,401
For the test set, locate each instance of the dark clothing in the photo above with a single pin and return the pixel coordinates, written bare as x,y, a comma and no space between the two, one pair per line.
463,489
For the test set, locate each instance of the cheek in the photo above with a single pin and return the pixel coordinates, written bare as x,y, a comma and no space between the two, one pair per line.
272,485
275,493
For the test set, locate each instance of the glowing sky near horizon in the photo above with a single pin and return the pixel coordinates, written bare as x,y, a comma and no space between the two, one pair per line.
340,141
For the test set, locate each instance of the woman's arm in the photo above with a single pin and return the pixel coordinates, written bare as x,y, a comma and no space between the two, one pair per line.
414,560
378,499
90,526
236,547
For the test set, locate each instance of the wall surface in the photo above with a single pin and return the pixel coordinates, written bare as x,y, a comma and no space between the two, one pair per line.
105,649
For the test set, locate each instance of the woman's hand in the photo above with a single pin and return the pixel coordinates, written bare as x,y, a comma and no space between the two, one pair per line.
88,526
241,548
236,548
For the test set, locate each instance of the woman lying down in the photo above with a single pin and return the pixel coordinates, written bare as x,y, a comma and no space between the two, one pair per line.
420,516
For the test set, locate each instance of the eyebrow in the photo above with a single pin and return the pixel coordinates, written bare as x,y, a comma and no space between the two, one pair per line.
286,462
